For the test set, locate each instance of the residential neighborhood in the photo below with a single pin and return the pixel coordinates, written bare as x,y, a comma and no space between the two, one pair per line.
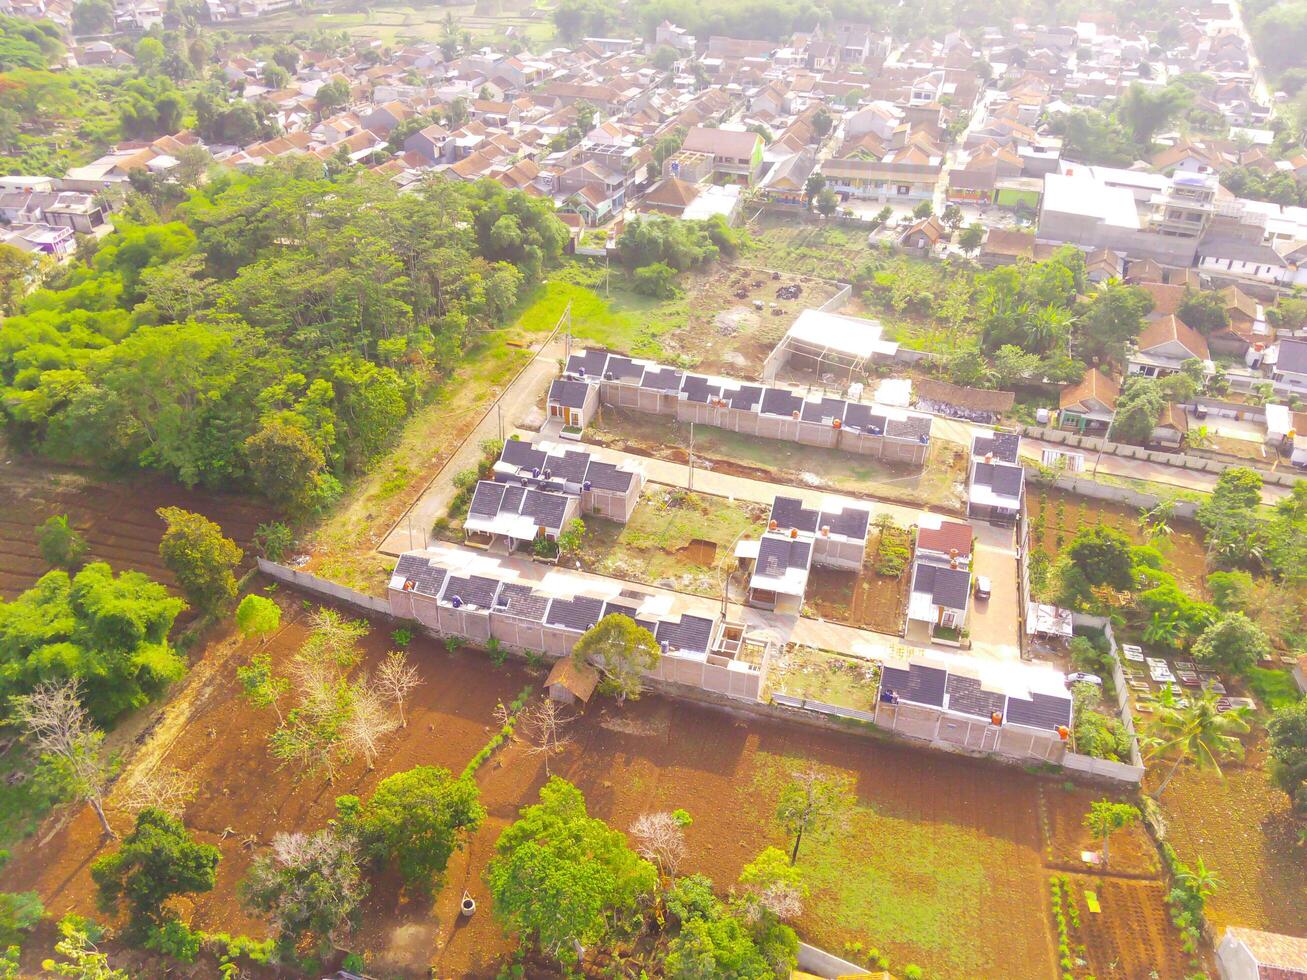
551,489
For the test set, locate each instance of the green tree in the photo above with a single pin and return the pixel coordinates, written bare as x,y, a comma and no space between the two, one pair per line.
1204,310
1012,365
720,946
1104,556
195,550
1287,739
622,650
155,862
93,17
61,545
827,202
1199,732
656,279
108,633
1234,643
1228,515
664,59
416,819
81,959
972,237
1145,110
1105,818
822,123
332,95
257,616
1113,317
813,186
563,880
309,887
285,463
261,687
19,271
813,805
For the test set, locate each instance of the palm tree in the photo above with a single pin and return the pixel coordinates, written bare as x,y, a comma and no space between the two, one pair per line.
1164,630
1199,731
1200,878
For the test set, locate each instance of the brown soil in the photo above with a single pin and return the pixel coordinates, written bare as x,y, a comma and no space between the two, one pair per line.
1183,550
865,599
117,518
1132,938
700,552
726,334
651,754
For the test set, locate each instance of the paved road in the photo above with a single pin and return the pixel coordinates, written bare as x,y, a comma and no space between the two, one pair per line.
515,404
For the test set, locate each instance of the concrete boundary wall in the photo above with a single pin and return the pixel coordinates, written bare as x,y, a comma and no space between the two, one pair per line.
784,709
1086,487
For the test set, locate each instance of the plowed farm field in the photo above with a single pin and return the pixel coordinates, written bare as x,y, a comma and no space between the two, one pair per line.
117,518
945,861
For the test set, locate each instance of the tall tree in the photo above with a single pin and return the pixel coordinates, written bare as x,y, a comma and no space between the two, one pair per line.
1287,735
196,551
1105,818
562,879
415,819
622,650
812,804
69,747
155,862
309,886
1198,732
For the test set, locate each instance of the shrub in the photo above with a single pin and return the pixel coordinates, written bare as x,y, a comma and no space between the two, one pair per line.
60,543
912,972
402,637
174,938
273,540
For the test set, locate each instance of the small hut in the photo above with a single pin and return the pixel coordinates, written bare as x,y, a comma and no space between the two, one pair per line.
569,682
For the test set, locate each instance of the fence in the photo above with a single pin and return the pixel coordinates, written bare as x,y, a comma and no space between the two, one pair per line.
825,709
1134,771
312,583
1201,461
1086,487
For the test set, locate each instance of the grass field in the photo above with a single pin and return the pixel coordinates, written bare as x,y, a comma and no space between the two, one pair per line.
833,251
822,675
674,539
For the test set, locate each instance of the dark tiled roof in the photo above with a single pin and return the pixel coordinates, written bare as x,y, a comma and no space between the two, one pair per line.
487,499
662,379
851,522
617,609
966,695
778,401
569,465
915,427
473,590
576,614
1292,356
523,455
426,579
1004,445
591,361
824,410
546,509
569,394
1043,711
776,554
745,398
697,388
789,512
921,685
521,602
1000,478
864,418
606,476
692,633
623,369
947,587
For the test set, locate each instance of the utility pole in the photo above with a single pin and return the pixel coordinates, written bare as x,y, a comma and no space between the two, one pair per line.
499,407
567,331
691,485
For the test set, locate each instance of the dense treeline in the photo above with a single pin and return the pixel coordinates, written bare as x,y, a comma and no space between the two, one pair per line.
275,334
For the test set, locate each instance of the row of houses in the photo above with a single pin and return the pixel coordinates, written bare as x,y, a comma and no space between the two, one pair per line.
592,377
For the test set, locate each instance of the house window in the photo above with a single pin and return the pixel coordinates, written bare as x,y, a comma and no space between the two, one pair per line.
904,190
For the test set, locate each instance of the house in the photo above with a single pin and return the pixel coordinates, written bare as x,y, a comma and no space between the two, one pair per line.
1234,258
670,35
569,682
574,402
1287,363
922,236
1090,404
940,596
1250,954
736,156
997,480
950,541
670,196
1004,247
604,489
1171,428
512,516
1165,345
785,182
781,562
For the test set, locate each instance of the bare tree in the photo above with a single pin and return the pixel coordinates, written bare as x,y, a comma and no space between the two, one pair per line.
68,744
369,721
545,725
396,677
660,837
163,788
